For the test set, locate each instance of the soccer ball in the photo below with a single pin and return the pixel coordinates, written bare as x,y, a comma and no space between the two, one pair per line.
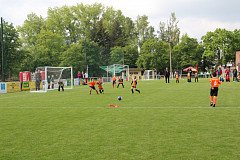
119,98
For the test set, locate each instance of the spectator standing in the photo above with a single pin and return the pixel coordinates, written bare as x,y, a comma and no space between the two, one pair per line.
80,76
235,75
86,77
227,72
38,79
167,74
196,76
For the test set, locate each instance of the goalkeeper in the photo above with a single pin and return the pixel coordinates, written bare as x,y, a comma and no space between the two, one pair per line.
60,85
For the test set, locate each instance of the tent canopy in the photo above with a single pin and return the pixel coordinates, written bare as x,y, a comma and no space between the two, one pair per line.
190,68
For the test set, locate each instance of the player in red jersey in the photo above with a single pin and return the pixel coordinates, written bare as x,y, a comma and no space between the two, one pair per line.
214,82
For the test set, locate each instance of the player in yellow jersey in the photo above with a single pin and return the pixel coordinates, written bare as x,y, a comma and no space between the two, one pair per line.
134,85
214,82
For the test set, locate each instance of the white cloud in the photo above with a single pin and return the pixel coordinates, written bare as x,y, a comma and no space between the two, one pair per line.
198,27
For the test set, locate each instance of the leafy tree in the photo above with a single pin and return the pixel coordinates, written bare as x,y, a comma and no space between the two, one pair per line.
170,33
62,21
95,35
92,52
12,55
143,30
85,19
74,57
49,47
131,55
29,32
82,55
112,30
235,45
153,55
117,55
31,27
187,52
220,43
208,58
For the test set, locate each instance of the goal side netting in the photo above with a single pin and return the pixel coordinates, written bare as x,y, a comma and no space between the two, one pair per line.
116,70
48,78
149,75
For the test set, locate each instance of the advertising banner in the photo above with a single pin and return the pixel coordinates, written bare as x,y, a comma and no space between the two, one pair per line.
13,87
42,75
3,87
25,86
32,85
26,76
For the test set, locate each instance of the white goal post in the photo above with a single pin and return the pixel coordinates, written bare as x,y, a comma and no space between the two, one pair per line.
149,75
47,78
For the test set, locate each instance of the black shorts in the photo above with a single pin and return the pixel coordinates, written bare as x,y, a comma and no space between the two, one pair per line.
214,91
93,87
114,82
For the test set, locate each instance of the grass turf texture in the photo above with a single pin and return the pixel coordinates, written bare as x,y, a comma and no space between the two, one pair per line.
165,121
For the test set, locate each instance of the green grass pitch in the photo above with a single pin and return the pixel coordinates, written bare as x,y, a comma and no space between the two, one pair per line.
165,121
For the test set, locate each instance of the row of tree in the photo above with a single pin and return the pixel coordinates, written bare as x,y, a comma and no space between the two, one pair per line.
95,35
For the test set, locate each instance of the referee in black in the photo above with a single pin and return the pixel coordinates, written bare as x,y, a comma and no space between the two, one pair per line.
167,74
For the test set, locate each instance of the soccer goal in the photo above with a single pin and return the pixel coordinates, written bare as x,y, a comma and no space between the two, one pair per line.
116,70
149,75
47,78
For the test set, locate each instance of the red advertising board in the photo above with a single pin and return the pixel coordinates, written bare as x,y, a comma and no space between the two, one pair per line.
42,75
26,76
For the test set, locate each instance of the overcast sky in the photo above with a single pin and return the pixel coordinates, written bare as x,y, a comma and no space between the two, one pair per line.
196,17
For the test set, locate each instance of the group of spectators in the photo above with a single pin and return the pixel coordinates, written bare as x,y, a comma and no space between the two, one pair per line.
223,74
226,73
82,77
176,75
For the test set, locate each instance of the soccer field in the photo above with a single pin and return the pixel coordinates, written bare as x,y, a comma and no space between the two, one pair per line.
165,121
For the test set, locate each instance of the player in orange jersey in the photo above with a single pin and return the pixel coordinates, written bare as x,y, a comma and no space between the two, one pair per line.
134,85
189,76
100,87
92,86
114,79
120,81
177,76
214,82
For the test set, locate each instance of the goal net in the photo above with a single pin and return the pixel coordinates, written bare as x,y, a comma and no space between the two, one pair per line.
116,70
149,75
47,78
